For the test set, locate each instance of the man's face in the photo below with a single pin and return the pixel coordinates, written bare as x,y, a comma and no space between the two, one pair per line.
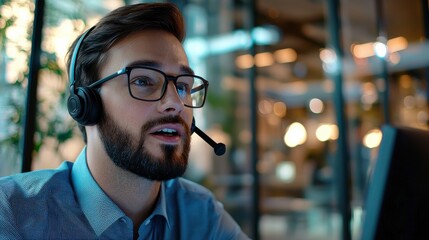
151,139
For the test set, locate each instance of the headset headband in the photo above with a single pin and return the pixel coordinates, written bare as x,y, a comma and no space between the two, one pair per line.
74,58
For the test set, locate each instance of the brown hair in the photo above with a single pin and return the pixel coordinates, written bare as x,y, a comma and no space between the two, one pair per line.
114,27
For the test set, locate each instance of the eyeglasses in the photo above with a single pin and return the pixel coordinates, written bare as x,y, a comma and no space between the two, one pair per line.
150,84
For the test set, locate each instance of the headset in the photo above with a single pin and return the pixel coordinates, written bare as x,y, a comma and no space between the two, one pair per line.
84,104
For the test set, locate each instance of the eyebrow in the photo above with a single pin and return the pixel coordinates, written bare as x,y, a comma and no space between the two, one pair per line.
149,63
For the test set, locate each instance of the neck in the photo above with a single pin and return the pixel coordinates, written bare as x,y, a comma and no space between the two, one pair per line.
134,195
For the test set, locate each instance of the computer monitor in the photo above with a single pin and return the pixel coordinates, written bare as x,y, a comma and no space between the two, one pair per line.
397,201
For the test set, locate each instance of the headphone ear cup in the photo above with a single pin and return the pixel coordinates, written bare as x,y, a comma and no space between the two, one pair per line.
85,106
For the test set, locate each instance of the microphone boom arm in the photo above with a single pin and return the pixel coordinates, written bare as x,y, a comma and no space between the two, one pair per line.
218,148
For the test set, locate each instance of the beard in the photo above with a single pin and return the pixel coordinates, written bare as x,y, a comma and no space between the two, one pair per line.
134,156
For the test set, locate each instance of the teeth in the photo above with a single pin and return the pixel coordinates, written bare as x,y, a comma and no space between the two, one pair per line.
167,130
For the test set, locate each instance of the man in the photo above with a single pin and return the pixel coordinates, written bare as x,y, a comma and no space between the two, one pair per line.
132,93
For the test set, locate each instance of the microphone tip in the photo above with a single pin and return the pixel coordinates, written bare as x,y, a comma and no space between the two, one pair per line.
219,149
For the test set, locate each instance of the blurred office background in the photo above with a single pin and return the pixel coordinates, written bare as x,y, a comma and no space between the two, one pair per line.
298,92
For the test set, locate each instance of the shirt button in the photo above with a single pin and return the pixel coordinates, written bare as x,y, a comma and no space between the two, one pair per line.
123,220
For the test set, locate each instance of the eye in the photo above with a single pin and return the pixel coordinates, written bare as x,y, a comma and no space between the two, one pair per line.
143,81
183,88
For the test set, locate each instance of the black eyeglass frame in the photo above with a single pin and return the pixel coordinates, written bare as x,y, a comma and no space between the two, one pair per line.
127,70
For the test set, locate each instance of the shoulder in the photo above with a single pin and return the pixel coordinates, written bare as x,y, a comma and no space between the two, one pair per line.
41,205
195,209
31,184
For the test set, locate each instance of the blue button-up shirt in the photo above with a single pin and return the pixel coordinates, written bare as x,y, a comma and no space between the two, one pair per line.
67,203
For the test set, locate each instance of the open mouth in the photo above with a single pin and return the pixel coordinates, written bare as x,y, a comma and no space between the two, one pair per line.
166,132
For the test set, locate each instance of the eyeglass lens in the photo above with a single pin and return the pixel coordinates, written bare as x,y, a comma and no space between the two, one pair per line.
150,85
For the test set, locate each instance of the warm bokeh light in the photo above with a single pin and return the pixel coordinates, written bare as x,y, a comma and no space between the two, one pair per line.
405,81
279,109
409,102
369,93
366,50
394,58
328,55
264,59
397,44
295,135
372,138
265,107
330,60
286,55
323,132
244,61
334,132
327,132
316,105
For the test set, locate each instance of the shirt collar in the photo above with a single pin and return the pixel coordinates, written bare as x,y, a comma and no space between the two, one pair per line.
161,206
100,211
98,208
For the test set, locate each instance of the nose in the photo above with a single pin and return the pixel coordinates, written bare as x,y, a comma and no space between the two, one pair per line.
171,101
